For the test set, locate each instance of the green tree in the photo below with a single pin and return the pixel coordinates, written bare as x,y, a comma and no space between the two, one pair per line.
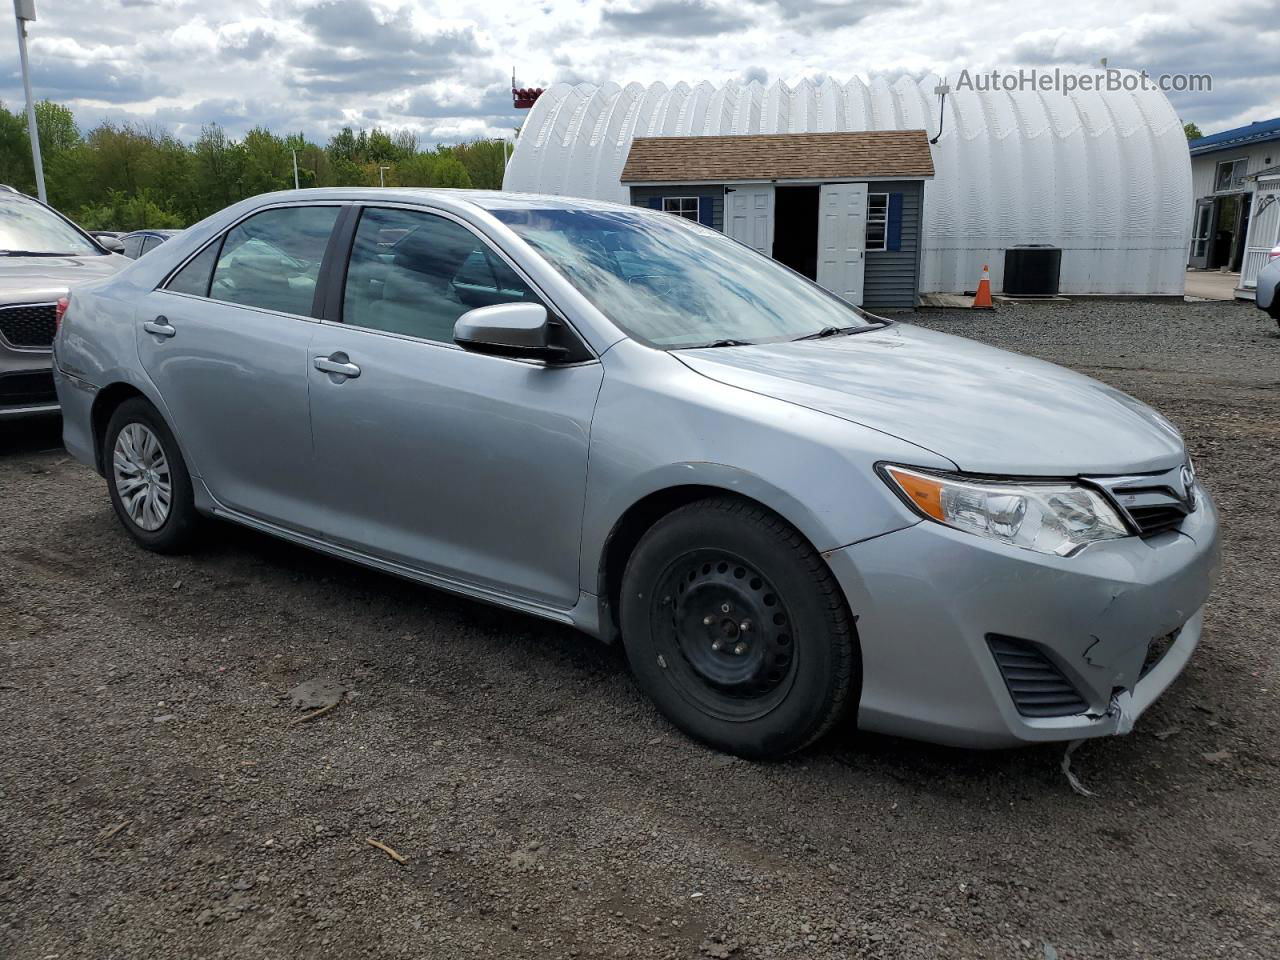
15,152
450,172
268,163
1192,131
485,160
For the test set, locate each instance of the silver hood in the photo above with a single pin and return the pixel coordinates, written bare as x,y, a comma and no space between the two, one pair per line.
986,410
31,279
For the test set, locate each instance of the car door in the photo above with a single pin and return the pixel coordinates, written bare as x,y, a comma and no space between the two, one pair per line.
467,466
226,342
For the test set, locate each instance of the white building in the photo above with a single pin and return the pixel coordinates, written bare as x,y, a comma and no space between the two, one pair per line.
1235,180
1105,177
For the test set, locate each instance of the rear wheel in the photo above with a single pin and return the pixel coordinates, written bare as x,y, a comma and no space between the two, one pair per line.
148,480
735,627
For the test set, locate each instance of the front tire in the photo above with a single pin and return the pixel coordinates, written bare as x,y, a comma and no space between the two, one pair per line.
148,480
735,627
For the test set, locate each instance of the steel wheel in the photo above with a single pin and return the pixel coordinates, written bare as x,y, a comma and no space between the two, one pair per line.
140,471
725,635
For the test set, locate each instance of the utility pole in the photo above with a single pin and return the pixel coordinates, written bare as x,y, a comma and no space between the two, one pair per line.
24,10
382,181
295,168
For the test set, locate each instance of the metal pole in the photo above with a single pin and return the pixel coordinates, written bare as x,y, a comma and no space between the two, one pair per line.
295,168
32,131
382,180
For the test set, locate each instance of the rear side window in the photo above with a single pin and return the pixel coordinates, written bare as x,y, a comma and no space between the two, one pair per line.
133,247
272,260
417,273
195,276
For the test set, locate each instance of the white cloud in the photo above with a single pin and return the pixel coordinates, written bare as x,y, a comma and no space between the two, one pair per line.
441,67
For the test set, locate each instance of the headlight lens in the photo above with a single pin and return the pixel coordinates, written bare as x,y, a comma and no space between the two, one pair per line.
1056,518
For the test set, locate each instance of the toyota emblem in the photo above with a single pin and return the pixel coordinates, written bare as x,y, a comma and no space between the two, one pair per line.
1188,477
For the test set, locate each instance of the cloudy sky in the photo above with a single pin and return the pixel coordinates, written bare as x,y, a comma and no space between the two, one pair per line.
443,68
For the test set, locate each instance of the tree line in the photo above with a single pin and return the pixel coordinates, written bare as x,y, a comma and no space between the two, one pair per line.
129,176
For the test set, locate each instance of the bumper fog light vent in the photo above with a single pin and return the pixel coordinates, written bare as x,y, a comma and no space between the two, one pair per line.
1038,688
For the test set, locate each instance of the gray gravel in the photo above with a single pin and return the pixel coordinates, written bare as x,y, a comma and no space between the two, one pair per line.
157,800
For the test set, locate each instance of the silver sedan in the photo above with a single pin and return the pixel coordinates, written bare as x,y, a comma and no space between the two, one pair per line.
785,509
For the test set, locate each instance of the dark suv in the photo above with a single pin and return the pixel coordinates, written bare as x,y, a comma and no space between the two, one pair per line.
42,254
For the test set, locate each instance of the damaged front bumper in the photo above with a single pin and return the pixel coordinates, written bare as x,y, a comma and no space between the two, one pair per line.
930,600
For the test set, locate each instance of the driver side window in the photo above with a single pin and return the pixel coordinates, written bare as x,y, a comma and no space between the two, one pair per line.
272,259
417,273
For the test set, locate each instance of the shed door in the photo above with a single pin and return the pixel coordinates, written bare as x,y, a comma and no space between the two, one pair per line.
749,216
1200,235
842,239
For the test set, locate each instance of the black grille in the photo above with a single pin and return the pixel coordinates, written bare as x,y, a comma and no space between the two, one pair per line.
1038,687
24,389
29,326
1157,518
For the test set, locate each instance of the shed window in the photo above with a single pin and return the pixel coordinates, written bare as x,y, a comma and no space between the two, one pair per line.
1230,175
686,207
877,220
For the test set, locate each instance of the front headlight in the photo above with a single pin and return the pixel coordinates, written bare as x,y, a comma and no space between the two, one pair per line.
1057,518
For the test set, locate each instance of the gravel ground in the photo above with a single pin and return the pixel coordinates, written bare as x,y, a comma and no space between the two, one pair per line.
156,799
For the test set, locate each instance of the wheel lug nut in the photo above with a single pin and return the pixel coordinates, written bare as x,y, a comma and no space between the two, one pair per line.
715,645
708,620
740,649
744,626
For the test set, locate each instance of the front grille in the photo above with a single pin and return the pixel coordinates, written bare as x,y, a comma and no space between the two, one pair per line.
32,325
1154,502
25,389
1157,518
1038,688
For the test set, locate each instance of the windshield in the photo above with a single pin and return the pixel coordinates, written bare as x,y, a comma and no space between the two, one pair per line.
28,229
670,283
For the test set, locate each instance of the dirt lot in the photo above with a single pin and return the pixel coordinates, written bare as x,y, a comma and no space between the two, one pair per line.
156,800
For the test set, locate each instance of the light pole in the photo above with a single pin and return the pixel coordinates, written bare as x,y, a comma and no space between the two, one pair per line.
382,181
295,168
24,10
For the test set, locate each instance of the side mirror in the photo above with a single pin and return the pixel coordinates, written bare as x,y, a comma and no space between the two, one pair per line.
1268,292
111,243
518,330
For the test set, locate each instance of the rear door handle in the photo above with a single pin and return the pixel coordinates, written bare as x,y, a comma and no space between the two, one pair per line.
160,326
338,367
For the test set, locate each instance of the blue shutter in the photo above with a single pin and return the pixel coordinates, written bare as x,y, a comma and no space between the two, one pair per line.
893,229
655,203
706,215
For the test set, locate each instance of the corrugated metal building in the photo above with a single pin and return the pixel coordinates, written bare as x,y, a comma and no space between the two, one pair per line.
1105,177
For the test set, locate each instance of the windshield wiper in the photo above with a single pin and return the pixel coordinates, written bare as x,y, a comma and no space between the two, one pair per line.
828,332
34,253
726,343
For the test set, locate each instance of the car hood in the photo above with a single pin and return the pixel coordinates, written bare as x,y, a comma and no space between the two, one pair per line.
25,279
986,410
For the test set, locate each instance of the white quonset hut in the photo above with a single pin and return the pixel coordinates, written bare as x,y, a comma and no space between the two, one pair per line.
1103,176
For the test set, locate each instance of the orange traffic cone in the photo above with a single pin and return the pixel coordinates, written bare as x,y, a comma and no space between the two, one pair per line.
982,300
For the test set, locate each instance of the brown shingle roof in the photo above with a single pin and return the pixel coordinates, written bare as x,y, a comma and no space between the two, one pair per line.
780,156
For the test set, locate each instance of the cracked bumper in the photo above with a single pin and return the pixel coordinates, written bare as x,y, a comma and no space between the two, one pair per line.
927,597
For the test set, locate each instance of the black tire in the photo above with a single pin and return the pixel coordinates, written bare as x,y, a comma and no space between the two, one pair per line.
177,532
761,691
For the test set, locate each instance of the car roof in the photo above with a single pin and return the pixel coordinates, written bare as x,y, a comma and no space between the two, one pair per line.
484,199
151,233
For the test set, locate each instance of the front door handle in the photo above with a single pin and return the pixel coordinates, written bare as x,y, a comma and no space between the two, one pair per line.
160,326
339,365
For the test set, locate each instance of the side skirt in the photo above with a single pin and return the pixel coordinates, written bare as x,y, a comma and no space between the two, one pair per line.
581,616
